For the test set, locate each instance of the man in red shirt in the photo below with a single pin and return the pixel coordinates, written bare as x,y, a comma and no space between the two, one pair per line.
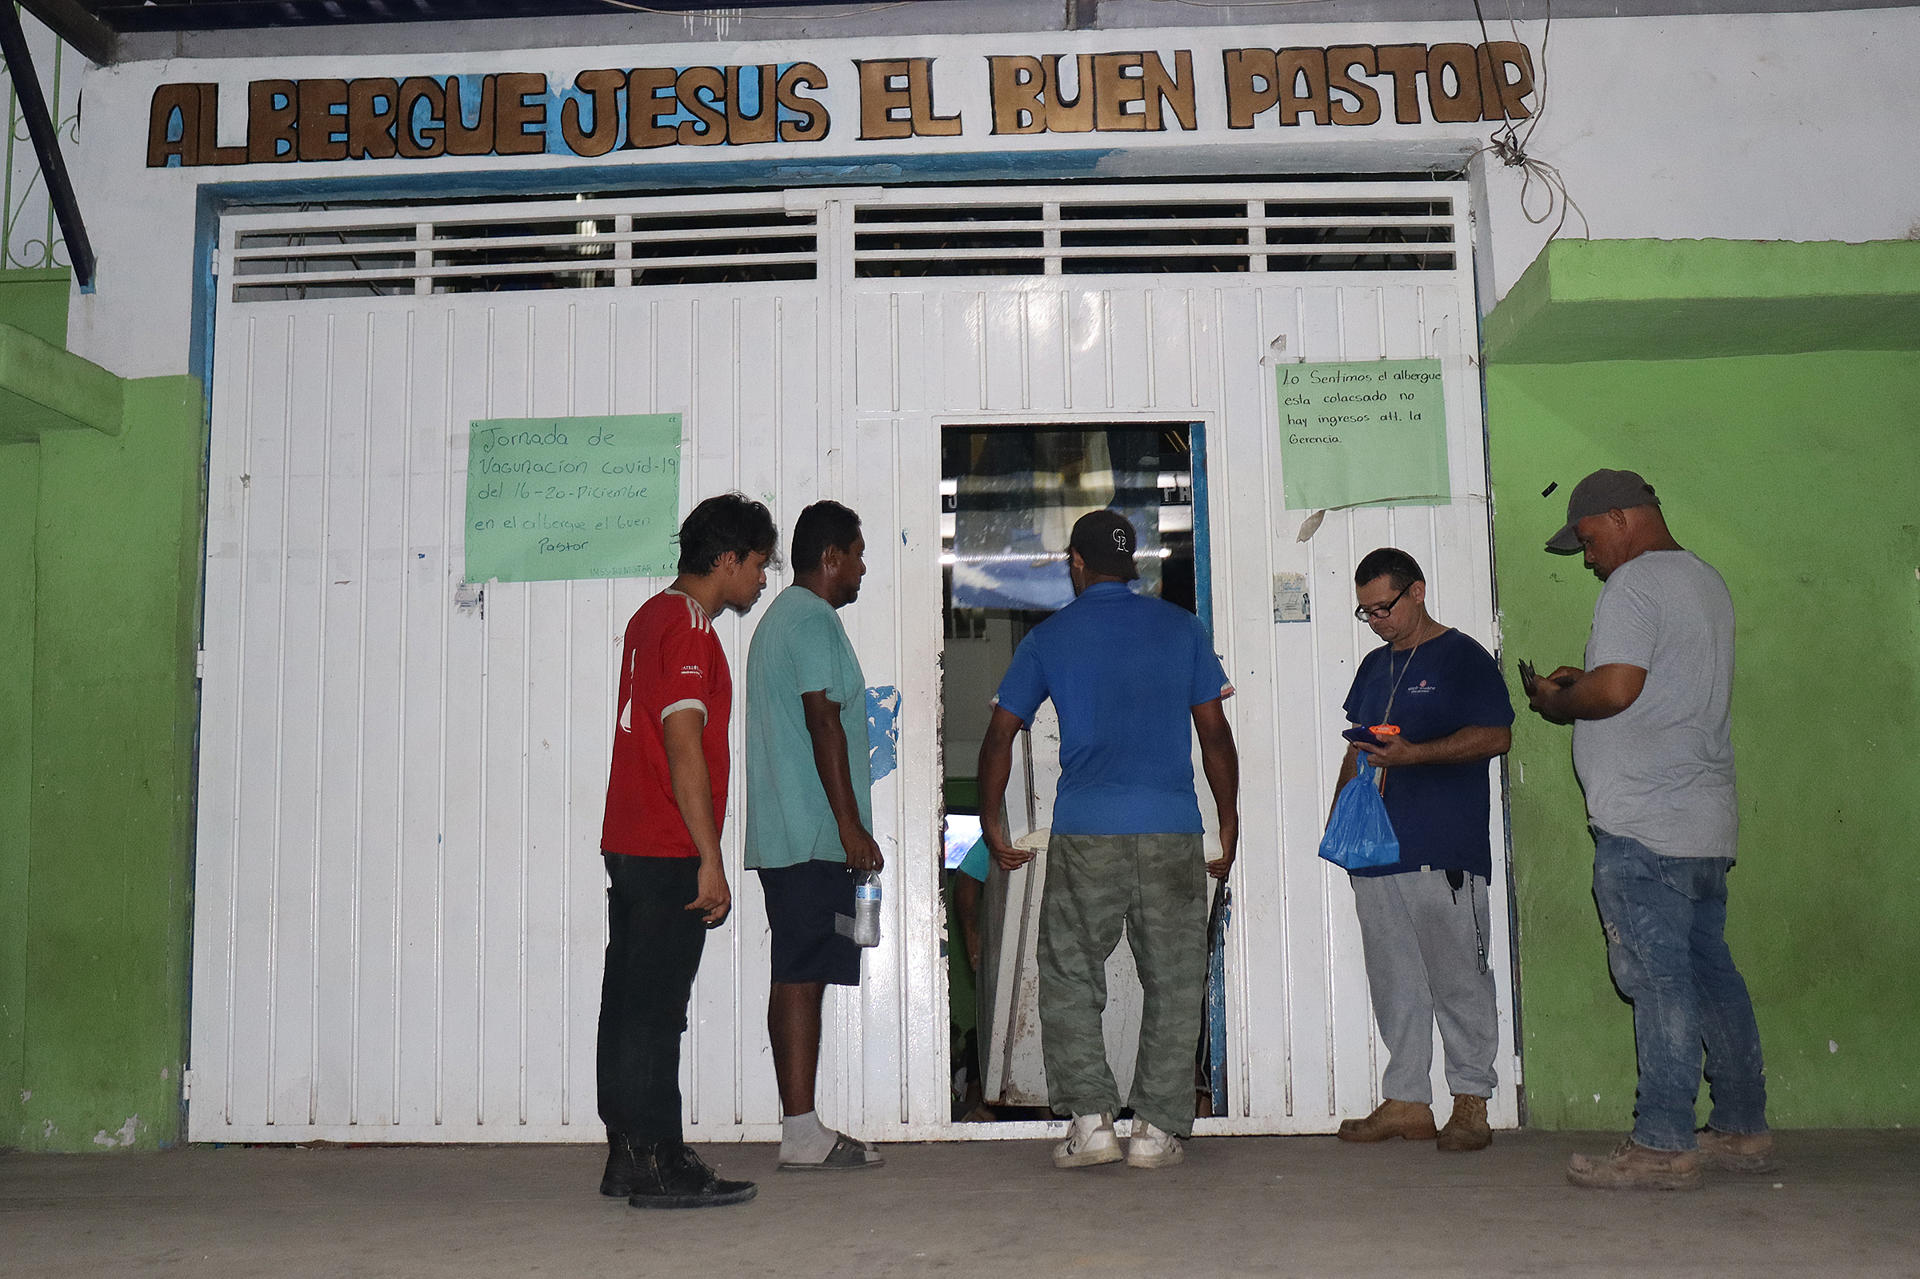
666,797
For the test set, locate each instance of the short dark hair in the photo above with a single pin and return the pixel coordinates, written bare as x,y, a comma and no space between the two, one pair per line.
729,522
822,525
1391,563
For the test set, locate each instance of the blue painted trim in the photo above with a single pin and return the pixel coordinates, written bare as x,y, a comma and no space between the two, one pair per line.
1202,528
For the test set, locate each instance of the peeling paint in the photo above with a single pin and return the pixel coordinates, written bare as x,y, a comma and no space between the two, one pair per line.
883,730
47,1130
26,1095
124,1136
1832,1047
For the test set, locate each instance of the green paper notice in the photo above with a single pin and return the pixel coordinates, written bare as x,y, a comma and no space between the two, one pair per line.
1374,431
553,499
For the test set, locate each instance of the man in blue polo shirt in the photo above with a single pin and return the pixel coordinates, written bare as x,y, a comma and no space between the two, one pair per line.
1127,674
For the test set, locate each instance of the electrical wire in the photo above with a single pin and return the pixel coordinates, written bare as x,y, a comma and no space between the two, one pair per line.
1509,142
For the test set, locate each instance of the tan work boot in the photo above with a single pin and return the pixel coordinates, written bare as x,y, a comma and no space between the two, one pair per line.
1633,1166
1467,1126
1737,1151
1412,1120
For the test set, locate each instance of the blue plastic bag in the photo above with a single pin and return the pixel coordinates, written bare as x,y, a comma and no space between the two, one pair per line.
1359,836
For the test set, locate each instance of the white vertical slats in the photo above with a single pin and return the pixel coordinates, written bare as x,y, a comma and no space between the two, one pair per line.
400,910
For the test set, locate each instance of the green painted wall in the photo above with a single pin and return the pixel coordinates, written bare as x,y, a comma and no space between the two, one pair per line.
98,608
1798,477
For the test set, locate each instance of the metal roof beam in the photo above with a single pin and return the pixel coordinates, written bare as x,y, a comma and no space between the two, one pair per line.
74,23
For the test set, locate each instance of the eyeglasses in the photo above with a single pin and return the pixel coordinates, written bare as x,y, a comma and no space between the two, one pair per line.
1378,611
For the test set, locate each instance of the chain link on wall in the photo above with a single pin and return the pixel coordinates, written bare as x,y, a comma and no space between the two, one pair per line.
29,234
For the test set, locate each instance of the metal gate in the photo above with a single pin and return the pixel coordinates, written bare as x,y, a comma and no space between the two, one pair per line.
399,911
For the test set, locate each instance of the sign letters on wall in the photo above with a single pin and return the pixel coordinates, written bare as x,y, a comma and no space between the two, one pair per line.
610,109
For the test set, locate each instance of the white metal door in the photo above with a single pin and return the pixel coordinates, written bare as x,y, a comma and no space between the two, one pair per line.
1064,345
399,910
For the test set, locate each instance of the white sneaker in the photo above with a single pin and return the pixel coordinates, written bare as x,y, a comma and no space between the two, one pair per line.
1090,1141
1152,1147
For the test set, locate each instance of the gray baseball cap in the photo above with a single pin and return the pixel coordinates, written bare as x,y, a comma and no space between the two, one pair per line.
1599,493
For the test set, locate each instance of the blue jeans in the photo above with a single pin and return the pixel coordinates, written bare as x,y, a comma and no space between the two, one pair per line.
1666,922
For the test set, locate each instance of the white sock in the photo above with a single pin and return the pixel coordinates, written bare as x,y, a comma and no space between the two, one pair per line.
804,1139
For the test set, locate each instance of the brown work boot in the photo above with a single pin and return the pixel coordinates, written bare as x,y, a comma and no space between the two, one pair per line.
1633,1166
1467,1126
1410,1119
1737,1151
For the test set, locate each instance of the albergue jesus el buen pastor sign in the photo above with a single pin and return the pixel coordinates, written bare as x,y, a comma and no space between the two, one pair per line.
608,109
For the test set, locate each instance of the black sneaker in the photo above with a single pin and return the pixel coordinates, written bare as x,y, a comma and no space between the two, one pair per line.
669,1174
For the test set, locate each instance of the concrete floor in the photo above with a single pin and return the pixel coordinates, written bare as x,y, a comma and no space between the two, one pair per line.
1845,1203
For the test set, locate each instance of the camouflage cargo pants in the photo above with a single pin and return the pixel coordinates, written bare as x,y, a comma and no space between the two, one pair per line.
1156,885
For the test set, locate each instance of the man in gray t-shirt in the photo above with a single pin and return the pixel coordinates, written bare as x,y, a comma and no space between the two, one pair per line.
1654,751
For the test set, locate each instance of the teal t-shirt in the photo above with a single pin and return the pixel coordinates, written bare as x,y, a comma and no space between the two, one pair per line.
799,647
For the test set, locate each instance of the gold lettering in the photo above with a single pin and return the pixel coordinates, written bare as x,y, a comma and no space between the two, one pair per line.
511,135
1294,66
318,120
1341,60
603,97
415,92
1405,63
1252,85
271,112
812,124
646,108
370,126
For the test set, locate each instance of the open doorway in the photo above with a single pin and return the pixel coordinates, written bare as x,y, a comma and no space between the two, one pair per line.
1010,493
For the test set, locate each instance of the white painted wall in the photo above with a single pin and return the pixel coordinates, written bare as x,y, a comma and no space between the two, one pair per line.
1788,126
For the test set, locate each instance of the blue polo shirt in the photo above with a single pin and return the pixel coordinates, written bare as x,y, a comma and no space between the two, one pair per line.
1125,672
1439,812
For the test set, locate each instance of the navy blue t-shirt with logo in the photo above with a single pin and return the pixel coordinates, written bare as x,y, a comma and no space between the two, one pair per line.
1439,811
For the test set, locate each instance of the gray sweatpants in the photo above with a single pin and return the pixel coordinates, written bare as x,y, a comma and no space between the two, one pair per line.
1157,886
1424,943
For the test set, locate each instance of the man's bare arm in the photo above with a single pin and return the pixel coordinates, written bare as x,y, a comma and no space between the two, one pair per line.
693,795
996,765
830,762
1220,760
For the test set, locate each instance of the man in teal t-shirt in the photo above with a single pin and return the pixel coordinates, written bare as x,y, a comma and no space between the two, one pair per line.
810,812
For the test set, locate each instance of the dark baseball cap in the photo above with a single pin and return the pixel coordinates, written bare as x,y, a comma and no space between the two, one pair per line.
1599,493
1106,542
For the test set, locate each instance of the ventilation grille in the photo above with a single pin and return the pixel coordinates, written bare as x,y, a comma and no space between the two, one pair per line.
506,253
1103,237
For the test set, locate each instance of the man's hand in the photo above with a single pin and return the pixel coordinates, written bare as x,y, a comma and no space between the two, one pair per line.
1393,751
1005,855
863,852
714,899
1229,849
1546,694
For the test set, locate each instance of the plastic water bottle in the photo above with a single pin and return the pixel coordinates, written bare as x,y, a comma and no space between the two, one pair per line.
866,908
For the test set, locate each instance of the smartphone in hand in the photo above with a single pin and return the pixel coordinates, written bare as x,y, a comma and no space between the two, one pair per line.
1360,736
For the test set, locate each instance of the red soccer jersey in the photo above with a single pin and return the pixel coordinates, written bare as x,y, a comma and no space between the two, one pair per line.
672,661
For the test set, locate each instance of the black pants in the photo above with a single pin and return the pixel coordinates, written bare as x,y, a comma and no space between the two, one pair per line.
653,951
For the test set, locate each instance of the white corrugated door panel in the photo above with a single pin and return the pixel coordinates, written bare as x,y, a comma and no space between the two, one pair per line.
399,905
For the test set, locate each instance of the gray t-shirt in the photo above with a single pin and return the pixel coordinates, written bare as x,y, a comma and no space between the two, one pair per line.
1661,771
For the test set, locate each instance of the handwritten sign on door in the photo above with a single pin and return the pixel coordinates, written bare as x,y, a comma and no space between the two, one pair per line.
551,499
1371,431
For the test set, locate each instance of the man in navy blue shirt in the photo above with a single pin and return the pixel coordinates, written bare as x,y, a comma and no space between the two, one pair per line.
1127,674
1423,920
